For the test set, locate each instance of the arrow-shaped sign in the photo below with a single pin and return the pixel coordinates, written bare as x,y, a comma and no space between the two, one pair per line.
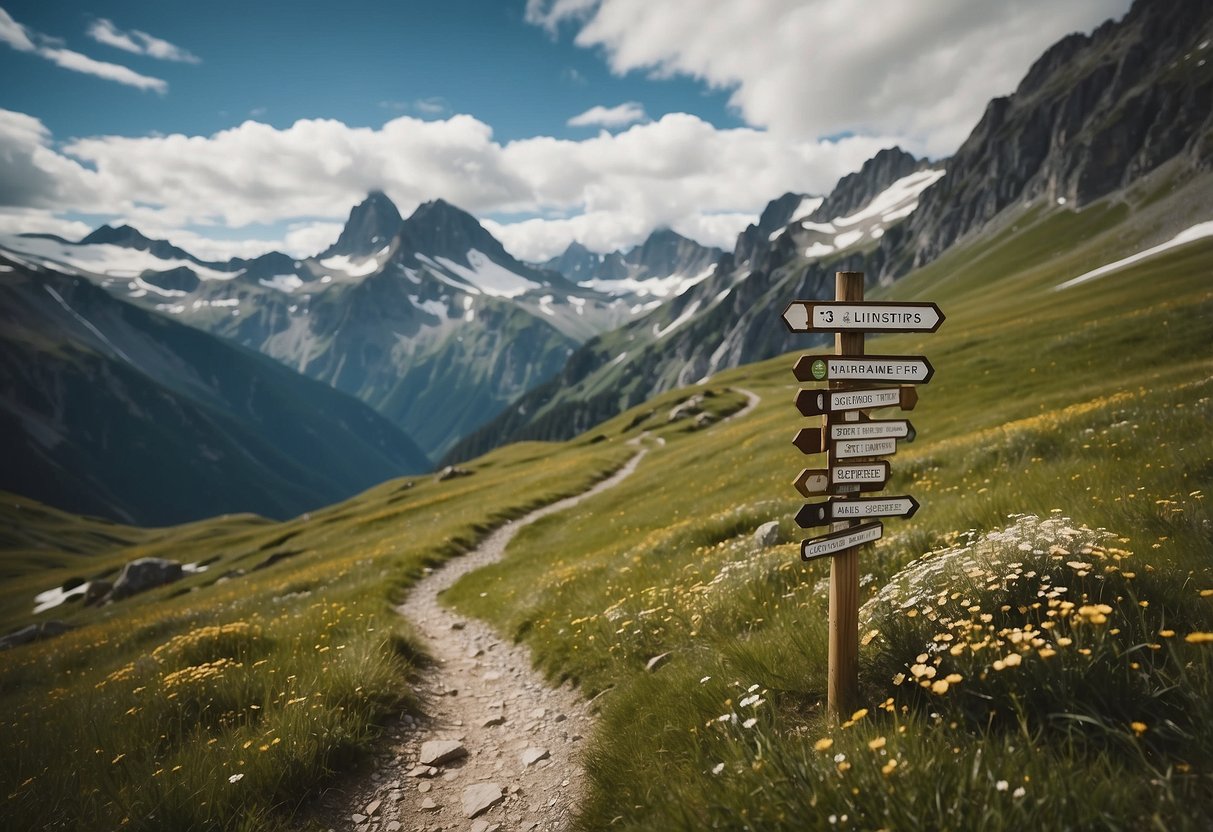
843,478
854,448
839,316
835,542
809,441
904,369
856,508
873,429
817,402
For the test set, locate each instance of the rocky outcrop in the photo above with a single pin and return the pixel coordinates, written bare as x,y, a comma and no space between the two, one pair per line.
372,225
1093,114
855,190
32,633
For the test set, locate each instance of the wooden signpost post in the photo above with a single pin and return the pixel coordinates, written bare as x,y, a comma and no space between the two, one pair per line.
852,441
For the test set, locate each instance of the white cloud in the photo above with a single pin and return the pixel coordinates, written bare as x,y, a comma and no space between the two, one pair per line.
922,72
139,43
77,62
33,221
24,39
618,116
14,34
608,191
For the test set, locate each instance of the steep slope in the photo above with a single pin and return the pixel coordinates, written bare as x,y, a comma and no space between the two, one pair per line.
1094,114
1093,117
113,410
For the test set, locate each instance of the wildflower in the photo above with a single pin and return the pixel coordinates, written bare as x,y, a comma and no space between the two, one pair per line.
1002,785
705,679
750,723
858,715
877,744
1139,728
1198,638
716,769
235,778
1019,792
888,767
939,687
823,744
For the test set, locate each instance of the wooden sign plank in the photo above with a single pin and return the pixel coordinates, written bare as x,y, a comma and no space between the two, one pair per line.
841,316
855,448
839,541
819,402
872,429
842,479
894,369
857,508
810,440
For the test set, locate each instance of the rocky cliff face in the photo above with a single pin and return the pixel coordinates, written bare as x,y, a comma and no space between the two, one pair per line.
372,224
1092,115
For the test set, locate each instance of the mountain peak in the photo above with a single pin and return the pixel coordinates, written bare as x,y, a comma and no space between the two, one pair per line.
373,223
121,235
855,190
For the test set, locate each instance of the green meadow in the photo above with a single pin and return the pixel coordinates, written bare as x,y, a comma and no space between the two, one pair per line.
1037,642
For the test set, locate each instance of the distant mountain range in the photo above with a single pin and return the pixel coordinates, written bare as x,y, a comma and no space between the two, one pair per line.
460,347
112,410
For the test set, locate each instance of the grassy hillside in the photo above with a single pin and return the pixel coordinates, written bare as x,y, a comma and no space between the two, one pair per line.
1059,625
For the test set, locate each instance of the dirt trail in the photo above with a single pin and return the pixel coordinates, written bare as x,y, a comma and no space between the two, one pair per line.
521,739
517,742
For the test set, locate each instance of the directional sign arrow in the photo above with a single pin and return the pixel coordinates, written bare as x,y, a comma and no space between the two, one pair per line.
812,481
817,402
856,508
839,316
809,441
905,369
873,429
872,474
835,542
853,448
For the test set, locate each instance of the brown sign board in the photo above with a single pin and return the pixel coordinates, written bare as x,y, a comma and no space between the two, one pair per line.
818,402
835,542
856,508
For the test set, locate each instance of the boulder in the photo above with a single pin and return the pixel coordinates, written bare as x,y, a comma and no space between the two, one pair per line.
767,534
96,591
144,574
451,472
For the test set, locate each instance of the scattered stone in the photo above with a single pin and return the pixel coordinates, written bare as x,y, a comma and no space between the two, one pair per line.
429,804
489,722
560,718
479,798
358,818
479,826
373,807
392,826
422,771
96,591
424,787
395,796
451,472
458,625
767,534
437,752
492,676
539,713
142,574
533,755
657,661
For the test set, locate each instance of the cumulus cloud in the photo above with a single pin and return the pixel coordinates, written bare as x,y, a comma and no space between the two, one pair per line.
608,191
618,116
922,72
138,43
23,39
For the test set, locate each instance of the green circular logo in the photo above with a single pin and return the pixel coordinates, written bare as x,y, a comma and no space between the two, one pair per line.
819,369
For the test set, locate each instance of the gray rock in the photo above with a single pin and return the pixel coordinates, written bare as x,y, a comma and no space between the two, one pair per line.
34,632
429,804
357,818
533,755
767,534
451,472
392,826
479,826
437,752
479,798
95,591
373,807
143,574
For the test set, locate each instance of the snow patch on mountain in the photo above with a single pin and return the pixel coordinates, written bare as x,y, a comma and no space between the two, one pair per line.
282,282
103,258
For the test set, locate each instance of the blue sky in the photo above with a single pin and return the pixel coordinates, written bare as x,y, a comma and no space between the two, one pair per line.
237,127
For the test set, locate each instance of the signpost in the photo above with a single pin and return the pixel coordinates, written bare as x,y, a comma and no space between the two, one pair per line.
821,402
835,542
853,441
896,369
856,508
808,316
